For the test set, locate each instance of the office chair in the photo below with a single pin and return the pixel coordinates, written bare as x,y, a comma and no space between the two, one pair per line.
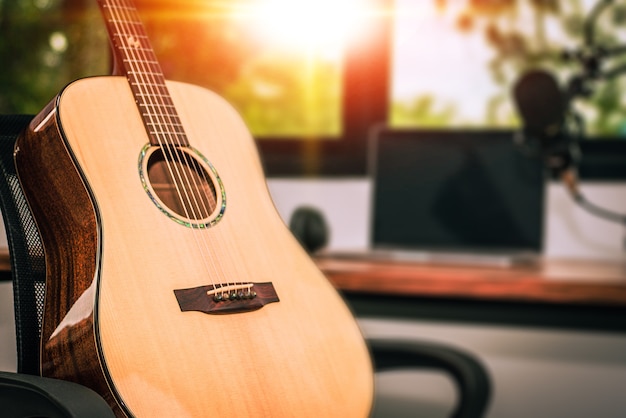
25,393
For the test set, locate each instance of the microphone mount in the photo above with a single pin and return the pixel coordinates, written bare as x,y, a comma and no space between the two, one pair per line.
558,143
592,57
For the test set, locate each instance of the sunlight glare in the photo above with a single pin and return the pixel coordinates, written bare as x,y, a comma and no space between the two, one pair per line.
318,25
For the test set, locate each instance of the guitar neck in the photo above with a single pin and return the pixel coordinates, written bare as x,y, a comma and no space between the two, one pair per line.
133,54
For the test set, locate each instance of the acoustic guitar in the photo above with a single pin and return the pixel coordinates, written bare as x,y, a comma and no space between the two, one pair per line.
173,288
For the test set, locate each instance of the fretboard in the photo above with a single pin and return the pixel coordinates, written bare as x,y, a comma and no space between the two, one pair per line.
134,55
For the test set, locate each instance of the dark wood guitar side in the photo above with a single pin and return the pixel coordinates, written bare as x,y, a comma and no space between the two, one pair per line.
66,217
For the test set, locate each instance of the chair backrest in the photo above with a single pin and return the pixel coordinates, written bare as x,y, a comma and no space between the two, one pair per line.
28,266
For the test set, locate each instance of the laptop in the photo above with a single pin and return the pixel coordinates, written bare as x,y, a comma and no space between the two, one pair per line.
454,196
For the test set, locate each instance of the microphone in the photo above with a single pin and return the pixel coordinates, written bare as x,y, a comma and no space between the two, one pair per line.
540,103
543,108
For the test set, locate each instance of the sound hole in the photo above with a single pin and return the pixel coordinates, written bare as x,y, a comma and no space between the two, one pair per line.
182,182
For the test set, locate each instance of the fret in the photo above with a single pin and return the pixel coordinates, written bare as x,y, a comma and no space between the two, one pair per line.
127,22
116,7
156,89
150,73
160,94
165,113
161,105
152,62
160,134
153,95
169,124
165,132
172,118
139,73
162,119
158,119
124,35
156,84
165,128
135,48
125,29
136,73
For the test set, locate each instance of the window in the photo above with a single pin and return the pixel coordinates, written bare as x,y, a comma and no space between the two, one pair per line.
465,78
454,65
312,78
441,75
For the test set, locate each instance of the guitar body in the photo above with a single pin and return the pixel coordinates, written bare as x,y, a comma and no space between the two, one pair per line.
112,320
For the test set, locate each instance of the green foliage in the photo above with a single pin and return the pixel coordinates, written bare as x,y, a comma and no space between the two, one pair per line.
421,111
44,45
610,108
289,97
520,44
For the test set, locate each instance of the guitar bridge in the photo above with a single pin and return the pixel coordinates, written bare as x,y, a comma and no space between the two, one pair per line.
226,298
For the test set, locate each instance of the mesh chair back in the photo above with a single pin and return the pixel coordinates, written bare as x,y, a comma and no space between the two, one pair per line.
28,266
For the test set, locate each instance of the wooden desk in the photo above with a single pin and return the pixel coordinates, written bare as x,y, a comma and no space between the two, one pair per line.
560,293
552,281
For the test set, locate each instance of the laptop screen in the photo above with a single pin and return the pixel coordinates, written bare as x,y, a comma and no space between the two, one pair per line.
470,191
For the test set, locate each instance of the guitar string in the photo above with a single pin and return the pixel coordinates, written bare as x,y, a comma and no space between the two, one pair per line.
188,161
160,125
155,117
160,92
173,156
